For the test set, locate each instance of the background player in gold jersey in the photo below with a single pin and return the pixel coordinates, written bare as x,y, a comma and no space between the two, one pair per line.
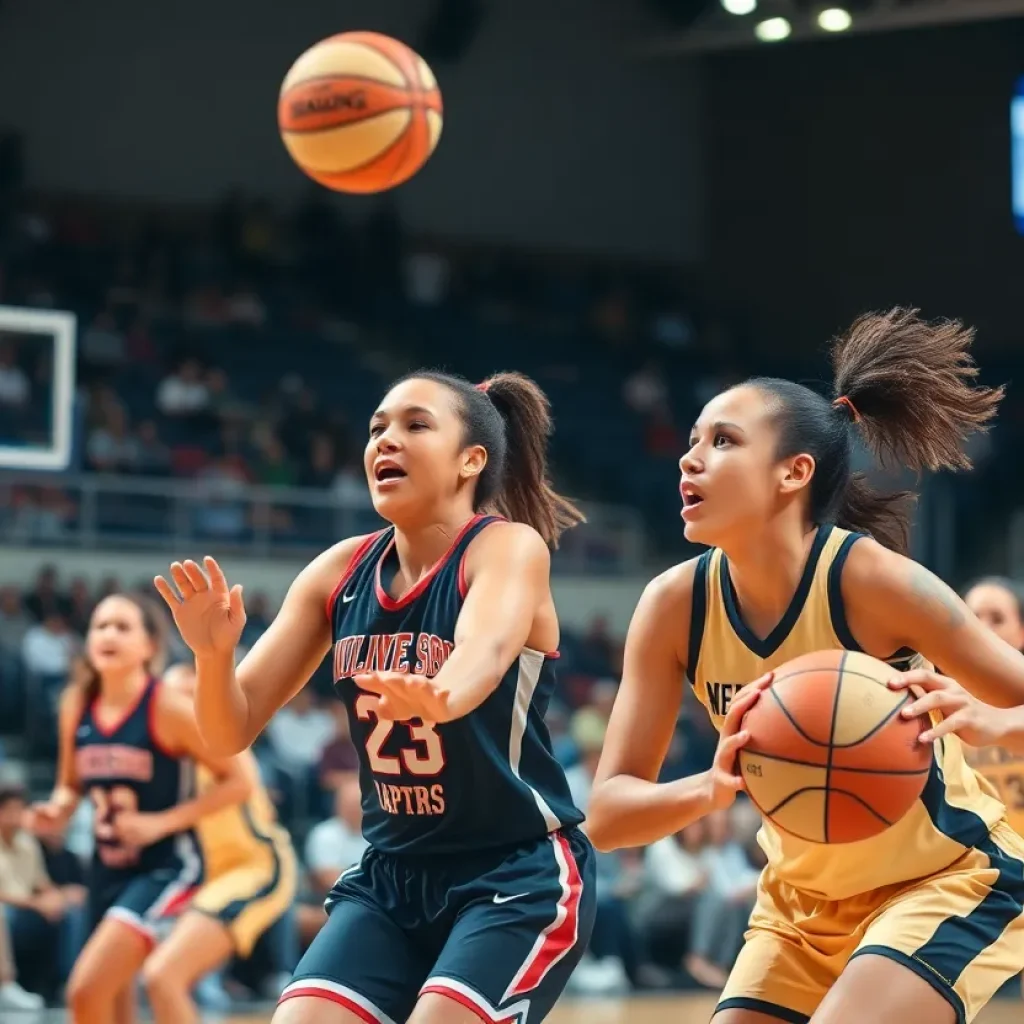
250,880
926,920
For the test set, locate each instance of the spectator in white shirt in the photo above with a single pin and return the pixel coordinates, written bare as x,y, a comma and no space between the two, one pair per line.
297,737
48,648
184,392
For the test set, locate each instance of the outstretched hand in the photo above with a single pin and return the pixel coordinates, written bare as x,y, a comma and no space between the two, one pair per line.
209,615
404,695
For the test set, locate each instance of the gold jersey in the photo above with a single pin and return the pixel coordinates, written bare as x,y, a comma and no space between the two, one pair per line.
956,811
241,833
1003,770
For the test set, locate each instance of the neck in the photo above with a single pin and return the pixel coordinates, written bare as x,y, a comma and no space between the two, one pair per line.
765,571
119,689
422,547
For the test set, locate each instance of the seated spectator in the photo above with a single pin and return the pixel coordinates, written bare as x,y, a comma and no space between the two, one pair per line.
333,847
35,909
111,447
183,393
47,649
12,996
340,761
14,624
297,737
153,457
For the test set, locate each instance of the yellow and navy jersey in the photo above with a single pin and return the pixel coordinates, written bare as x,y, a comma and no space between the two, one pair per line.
1003,770
236,835
955,812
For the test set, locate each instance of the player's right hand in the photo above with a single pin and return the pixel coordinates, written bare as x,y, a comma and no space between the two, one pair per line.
724,778
209,616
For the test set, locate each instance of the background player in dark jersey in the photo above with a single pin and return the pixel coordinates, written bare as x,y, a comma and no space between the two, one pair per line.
127,744
476,898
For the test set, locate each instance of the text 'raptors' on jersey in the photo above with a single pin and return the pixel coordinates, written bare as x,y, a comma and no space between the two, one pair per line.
439,788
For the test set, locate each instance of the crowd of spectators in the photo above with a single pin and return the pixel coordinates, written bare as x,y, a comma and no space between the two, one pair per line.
670,915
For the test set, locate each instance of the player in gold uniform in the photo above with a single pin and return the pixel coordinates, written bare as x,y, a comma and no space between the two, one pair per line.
926,920
250,872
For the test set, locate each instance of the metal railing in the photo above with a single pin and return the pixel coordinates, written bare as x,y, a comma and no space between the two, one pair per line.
105,512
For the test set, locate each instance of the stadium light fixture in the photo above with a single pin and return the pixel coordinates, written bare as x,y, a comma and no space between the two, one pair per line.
834,19
773,30
739,7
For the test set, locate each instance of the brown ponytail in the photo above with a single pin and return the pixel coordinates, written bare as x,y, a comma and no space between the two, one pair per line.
908,386
510,418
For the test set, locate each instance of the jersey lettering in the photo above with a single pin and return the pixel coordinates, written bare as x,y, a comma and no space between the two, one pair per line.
114,762
426,758
720,696
108,804
422,654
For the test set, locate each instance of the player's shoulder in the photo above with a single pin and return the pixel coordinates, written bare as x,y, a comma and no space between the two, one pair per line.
322,575
519,540
674,587
870,568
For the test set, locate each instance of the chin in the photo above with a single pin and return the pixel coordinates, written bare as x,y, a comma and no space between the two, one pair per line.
701,532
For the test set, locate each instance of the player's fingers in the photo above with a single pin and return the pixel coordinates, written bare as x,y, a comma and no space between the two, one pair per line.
167,592
922,677
369,681
937,700
218,581
946,727
196,576
181,580
730,746
236,607
741,704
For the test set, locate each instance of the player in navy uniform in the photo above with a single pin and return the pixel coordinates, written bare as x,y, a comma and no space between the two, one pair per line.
127,743
476,898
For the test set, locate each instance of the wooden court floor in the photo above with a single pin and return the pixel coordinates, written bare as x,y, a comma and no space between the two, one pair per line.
676,1010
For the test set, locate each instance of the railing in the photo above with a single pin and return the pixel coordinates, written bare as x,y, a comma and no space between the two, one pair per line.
109,513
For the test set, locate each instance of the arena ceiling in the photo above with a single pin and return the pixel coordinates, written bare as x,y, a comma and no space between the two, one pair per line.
706,26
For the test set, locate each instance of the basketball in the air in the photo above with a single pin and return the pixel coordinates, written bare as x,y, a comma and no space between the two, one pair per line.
360,112
830,758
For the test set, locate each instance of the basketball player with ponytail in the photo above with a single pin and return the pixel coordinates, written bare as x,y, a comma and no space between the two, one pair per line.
129,745
476,898
925,920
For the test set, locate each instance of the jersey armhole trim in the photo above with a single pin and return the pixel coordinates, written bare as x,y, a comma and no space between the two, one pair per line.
836,612
698,615
482,525
353,563
154,693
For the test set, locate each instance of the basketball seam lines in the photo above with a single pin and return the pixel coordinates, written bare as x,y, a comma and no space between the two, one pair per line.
841,746
831,741
380,156
752,752
816,789
314,130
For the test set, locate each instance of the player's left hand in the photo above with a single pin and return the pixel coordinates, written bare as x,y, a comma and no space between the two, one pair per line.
975,722
138,830
404,695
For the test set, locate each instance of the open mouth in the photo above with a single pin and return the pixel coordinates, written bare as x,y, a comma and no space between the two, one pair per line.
388,471
691,497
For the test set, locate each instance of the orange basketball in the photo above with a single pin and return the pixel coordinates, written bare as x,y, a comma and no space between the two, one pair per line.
830,758
360,112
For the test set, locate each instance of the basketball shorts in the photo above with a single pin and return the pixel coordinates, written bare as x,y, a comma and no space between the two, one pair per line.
144,901
499,933
961,930
249,897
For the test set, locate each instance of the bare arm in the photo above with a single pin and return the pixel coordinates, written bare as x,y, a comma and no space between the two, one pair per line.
628,807
892,602
177,732
233,706
51,817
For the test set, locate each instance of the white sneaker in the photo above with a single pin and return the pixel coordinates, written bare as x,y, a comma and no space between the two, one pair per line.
14,997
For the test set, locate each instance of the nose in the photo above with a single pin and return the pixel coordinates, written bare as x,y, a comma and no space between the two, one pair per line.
386,443
689,463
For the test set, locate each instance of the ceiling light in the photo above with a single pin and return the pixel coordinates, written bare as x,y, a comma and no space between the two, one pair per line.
740,6
834,19
773,30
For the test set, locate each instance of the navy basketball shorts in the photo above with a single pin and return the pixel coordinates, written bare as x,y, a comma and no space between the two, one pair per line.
144,901
499,933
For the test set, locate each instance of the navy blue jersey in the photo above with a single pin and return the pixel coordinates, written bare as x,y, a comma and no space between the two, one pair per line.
486,780
123,768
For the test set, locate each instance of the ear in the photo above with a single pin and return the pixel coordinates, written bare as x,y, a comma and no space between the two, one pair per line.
797,473
474,459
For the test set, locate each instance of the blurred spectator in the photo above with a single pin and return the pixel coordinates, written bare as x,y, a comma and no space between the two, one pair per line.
35,908
80,605
14,386
645,391
12,996
275,469
183,393
153,457
44,599
103,345
48,647
339,762
297,736
111,448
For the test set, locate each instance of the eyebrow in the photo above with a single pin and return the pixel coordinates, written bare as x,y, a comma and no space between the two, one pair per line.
718,424
408,410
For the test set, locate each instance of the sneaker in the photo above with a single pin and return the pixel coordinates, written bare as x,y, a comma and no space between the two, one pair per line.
14,997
